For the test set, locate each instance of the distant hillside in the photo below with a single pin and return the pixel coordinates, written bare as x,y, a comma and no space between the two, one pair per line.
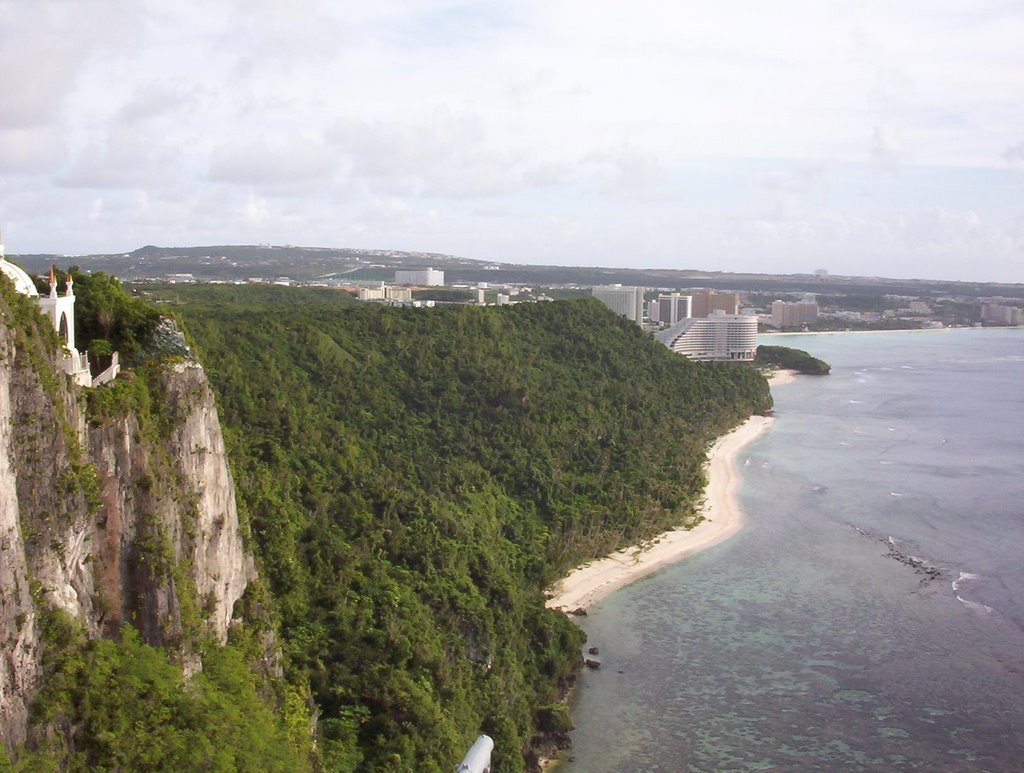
310,264
415,477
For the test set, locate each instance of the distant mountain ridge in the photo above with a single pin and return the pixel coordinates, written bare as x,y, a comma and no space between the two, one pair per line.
311,264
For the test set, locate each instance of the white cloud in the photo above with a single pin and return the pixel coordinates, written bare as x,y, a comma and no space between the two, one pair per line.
447,155
886,148
255,210
936,227
1014,155
31,151
47,46
123,158
599,132
154,99
291,161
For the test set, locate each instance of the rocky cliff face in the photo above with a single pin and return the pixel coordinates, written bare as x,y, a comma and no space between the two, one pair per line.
19,638
167,516
124,515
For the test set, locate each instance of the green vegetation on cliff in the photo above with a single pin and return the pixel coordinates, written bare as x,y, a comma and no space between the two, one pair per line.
107,317
792,359
415,477
117,703
132,709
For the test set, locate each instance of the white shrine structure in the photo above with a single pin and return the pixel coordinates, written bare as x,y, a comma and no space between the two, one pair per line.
60,310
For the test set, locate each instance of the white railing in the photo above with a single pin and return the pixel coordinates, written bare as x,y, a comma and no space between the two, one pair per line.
110,373
77,366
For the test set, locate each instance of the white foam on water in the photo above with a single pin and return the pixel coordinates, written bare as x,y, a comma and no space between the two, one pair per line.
964,576
975,605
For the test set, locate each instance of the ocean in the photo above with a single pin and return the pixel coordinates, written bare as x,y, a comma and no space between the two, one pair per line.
870,614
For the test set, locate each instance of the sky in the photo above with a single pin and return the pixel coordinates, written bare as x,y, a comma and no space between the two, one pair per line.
871,138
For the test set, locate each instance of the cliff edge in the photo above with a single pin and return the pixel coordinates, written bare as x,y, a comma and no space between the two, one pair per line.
117,507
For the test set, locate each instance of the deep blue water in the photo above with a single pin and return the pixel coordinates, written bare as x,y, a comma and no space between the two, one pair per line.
810,641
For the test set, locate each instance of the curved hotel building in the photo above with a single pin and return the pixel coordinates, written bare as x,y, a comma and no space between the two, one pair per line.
720,336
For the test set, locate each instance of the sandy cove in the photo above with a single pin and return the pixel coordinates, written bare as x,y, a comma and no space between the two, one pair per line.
722,518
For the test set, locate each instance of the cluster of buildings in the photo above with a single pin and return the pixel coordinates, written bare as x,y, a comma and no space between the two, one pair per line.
665,309
702,326
400,293
384,293
407,281
999,314
795,313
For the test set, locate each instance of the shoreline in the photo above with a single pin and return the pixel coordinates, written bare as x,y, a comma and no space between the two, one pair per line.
723,517
862,332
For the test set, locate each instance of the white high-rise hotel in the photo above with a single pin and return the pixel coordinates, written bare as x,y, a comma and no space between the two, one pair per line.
720,336
426,277
627,301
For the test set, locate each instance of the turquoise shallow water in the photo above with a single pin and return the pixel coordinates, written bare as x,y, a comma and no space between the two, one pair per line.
870,614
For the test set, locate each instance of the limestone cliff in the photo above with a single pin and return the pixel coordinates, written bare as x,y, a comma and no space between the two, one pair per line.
119,513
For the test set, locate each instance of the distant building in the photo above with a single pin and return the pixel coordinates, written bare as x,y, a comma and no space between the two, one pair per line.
652,311
998,314
625,300
672,308
427,277
721,336
849,316
704,303
503,299
794,313
384,293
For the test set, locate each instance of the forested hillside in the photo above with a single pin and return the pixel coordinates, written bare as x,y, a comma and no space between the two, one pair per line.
414,478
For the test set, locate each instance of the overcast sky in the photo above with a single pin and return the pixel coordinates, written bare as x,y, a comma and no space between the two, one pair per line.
877,137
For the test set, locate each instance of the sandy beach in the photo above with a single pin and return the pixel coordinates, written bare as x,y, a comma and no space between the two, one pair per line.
780,377
722,518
